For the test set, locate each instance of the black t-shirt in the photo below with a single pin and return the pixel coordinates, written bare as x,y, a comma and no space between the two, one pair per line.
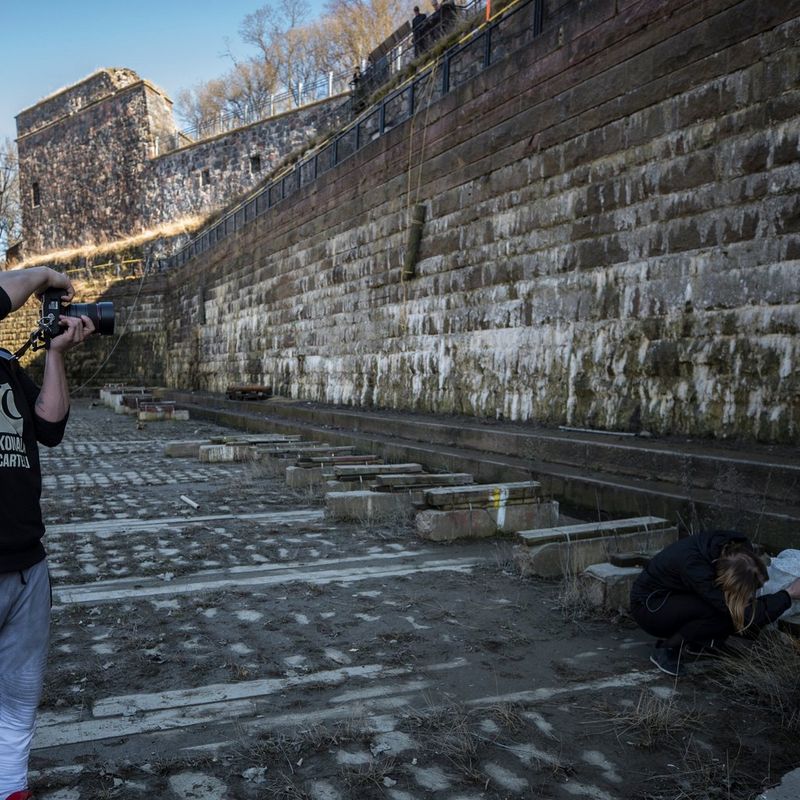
21,431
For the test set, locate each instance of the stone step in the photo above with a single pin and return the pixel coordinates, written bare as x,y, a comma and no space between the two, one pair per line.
608,586
417,480
363,506
621,476
569,557
441,525
589,530
186,449
330,461
216,453
354,473
484,495
267,438
155,415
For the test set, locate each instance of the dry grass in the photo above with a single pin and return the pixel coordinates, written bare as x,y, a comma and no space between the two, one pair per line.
768,677
653,720
94,250
701,775
572,600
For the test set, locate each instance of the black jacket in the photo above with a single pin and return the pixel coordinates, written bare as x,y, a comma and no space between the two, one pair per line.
688,566
21,431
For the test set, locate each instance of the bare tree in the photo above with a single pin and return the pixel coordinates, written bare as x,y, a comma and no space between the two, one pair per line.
291,50
355,27
10,211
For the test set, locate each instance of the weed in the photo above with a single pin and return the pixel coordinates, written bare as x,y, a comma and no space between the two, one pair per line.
572,600
286,787
362,777
768,676
654,720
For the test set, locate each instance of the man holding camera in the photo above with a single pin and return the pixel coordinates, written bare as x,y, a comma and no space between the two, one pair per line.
29,415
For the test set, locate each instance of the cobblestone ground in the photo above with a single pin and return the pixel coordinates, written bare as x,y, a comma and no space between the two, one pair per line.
251,648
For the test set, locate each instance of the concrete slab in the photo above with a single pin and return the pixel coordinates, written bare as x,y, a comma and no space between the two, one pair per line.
557,559
187,449
788,789
177,414
447,525
393,482
366,505
219,453
302,477
332,461
590,530
607,586
346,472
484,495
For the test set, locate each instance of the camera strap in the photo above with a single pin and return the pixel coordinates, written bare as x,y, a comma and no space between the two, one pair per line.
37,340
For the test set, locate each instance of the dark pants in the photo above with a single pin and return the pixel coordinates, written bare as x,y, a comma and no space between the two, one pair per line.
679,618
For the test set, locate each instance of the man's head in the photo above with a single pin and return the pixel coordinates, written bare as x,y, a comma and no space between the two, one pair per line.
416,9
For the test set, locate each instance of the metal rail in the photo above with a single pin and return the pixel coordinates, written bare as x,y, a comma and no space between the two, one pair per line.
468,57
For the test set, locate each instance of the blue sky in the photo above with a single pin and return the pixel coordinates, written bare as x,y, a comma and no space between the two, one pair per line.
49,44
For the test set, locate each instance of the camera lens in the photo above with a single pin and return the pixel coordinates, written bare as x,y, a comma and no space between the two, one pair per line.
101,314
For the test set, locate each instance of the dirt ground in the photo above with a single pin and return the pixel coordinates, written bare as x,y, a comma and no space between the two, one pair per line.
252,648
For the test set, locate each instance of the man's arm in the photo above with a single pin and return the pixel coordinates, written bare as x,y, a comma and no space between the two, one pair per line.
52,404
20,284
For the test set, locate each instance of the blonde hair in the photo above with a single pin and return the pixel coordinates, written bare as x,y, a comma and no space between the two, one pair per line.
740,574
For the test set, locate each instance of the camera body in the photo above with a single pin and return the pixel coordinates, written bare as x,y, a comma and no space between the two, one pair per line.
101,314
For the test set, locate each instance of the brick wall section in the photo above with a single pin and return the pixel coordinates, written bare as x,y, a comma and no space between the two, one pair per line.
612,240
133,355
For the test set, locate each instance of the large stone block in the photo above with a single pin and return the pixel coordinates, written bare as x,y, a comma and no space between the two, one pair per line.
488,495
607,586
365,506
215,453
557,559
302,478
476,523
189,449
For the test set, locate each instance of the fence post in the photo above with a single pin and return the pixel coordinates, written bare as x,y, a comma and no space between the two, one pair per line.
300,94
538,17
446,75
487,47
330,84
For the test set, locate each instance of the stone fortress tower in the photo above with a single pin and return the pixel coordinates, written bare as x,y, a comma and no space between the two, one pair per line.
83,156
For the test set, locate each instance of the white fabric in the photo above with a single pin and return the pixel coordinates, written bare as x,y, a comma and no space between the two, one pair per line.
24,634
783,569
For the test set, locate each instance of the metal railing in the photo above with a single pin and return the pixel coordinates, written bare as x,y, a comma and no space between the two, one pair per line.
398,52
468,57
303,94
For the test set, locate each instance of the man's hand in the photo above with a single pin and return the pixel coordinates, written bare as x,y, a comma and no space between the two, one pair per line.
76,329
20,284
56,280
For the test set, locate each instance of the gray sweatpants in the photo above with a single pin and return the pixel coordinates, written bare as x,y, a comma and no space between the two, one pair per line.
24,636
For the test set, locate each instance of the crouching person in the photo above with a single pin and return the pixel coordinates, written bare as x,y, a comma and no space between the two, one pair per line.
29,415
699,591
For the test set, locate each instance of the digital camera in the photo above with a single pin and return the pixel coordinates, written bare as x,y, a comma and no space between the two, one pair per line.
101,314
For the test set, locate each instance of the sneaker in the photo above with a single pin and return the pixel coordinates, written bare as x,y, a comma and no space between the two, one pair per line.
23,795
667,659
701,649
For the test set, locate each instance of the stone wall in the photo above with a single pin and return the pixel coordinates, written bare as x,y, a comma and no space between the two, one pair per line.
90,150
86,150
177,185
134,355
612,240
